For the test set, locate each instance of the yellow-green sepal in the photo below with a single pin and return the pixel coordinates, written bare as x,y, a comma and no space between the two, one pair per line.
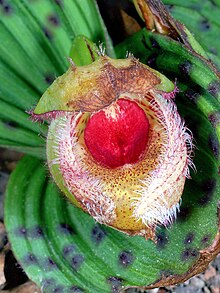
83,51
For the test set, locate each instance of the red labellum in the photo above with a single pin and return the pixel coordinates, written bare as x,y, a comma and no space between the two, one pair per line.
117,135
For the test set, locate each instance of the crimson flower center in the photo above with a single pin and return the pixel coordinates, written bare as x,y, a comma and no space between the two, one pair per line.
118,134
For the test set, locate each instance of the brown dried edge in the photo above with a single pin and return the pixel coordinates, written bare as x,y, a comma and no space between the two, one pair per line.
155,12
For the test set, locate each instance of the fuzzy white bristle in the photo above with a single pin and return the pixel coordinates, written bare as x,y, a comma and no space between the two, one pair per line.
155,203
129,55
86,188
101,51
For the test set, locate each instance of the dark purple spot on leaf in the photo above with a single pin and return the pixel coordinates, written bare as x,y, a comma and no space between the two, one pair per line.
48,283
189,238
184,213
205,239
21,232
214,118
154,43
77,261
152,60
214,145
193,94
50,264
162,240
49,78
214,88
7,9
36,232
204,25
209,186
2,2
75,289
59,2
48,33
11,124
67,250
208,189
65,228
189,254
126,258
185,68
98,234
116,283
30,259
54,20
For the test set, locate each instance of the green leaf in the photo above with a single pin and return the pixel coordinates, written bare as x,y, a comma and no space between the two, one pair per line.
38,152
83,51
201,18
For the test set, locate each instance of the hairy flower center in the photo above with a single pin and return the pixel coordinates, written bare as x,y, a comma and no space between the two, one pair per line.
117,135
